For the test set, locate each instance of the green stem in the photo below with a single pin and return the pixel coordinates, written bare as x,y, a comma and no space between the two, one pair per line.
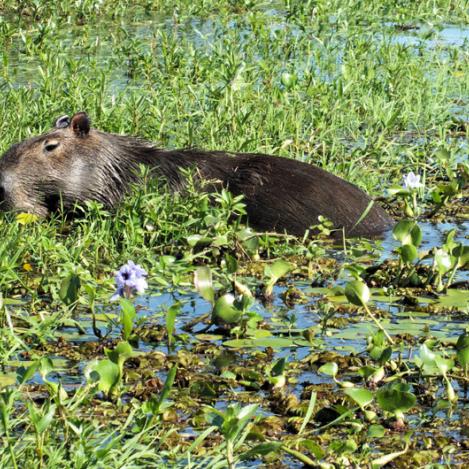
452,274
10,448
378,324
414,203
300,456
229,454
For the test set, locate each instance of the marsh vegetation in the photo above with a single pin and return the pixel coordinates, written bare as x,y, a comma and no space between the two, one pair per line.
227,347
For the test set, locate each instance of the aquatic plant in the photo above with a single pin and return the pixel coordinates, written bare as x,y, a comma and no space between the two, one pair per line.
130,278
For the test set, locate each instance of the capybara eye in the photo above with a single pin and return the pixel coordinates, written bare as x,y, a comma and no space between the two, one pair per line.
50,146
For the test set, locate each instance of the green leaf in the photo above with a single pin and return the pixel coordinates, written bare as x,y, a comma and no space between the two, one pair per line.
288,80
309,412
40,420
442,261
392,399
224,311
24,374
274,272
198,240
69,289
109,375
277,270
231,264
7,379
127,316
408,232
279,367
462,350
461,253
203,283
168,384
361,396
26,218
408,253
274,342
357,293
329,369
261,450
376,431
364,214
454,298
386,459
171,314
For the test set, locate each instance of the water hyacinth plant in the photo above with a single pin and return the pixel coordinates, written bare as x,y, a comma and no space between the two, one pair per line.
130,279
411,181
408,192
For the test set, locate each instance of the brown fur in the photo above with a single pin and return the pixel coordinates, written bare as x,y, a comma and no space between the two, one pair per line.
74,163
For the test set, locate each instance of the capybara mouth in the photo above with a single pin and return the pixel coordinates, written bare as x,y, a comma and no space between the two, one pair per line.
52,202
3,200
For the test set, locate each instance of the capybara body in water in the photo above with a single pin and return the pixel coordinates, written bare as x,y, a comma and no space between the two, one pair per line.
74,163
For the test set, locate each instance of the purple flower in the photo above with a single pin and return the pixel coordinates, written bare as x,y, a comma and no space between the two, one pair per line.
412,181
130,278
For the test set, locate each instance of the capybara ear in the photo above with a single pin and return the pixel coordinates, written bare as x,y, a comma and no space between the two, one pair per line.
81,123
62,122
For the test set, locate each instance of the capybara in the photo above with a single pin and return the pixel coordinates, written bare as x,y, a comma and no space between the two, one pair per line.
74,163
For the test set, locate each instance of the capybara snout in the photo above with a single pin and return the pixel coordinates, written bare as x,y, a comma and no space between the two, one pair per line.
73,163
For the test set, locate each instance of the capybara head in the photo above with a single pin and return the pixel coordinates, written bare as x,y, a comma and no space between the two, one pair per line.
70,163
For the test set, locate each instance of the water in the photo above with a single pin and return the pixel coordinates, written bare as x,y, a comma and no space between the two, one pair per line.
431,37
283,318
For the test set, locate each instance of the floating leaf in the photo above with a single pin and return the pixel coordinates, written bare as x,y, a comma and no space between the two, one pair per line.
394,399
274,342
454,299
